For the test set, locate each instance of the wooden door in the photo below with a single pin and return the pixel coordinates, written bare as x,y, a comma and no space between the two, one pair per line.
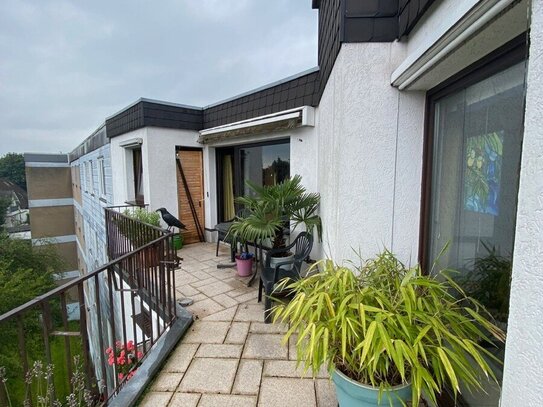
190,164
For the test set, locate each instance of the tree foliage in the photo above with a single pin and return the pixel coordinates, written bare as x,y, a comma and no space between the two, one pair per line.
4,205
25,273
12,167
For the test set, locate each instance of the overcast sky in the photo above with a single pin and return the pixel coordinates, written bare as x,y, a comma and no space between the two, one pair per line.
67,65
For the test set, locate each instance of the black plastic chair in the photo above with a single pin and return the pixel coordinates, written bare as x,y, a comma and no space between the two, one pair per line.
270,276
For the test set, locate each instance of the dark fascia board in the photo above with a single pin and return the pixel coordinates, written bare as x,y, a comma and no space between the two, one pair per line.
154,113
96,140
155,101
45,158
265,87
315,4
409,14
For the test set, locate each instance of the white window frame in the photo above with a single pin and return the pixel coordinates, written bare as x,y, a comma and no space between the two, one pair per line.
101,177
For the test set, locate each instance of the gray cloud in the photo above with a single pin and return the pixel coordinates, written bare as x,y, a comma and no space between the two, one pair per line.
66,65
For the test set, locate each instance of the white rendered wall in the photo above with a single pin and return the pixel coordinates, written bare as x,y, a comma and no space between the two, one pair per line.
118,165
159,163
523,369
159,166
369,156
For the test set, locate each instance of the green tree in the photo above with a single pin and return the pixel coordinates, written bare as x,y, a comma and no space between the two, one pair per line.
25,273
12,167
4,204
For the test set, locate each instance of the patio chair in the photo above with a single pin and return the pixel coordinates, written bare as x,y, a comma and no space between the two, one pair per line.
222,230
270,276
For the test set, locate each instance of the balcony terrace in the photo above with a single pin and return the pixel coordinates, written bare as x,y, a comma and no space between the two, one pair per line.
229,357
216,352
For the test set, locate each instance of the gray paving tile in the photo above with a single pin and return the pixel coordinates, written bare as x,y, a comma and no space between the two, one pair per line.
207,332
210,350
216,288
225,300
209,376
287,368
205,307
202,283
326,393
250,312
264,346
225,315
184,400
287,392
252,296
262,328
226,400
237,333
167,381
156,399
180,358
248,377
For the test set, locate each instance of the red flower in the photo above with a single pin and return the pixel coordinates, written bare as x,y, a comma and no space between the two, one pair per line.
130,345
121,376
139,354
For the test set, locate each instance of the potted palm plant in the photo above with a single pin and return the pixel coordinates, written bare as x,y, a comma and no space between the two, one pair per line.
387,332
268,210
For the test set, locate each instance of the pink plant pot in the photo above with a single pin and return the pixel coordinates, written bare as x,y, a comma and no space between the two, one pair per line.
245,267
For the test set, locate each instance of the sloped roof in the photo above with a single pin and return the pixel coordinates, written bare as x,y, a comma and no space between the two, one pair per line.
6,186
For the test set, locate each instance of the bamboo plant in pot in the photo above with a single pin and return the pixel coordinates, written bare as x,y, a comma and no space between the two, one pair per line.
268,210
387,332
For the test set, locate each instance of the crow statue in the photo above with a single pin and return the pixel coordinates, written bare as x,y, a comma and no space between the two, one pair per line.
170,220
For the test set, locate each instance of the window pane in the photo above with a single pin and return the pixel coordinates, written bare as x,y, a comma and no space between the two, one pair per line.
475,176
265,165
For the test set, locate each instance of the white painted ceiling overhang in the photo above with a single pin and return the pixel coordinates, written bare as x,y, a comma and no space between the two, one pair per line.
303,116
491,22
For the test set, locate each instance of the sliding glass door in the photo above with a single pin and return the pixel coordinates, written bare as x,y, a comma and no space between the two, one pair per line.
261,164
471,213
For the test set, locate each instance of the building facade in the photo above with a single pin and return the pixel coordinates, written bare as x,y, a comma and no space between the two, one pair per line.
419,129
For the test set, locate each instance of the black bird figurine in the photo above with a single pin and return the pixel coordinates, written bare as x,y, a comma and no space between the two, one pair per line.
170,220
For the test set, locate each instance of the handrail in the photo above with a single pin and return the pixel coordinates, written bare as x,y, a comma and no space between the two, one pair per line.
72,283
130,299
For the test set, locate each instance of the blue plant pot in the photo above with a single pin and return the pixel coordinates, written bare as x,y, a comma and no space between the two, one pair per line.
354,394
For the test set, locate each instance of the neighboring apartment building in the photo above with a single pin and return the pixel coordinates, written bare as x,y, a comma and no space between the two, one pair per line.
51,207
419,128
17,211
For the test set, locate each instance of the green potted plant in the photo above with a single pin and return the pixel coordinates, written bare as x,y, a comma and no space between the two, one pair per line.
489,282
387,332
269,209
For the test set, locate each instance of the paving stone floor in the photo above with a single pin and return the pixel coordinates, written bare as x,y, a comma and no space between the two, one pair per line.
229,357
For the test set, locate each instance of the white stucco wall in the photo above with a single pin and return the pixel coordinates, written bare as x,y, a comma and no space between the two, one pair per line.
159,167
369,155
160,162
118,165
523,369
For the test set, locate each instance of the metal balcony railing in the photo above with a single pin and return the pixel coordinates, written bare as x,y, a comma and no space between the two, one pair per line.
127,304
